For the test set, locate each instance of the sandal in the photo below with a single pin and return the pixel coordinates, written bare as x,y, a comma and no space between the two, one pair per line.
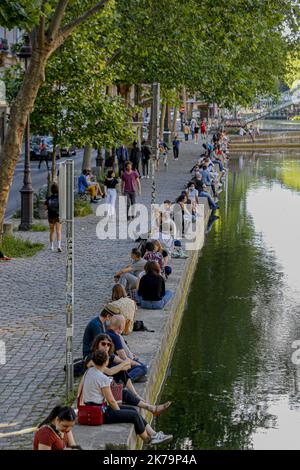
159,409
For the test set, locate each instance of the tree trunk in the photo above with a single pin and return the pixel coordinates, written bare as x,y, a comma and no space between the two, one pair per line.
162,121
87,158
20,110
53,168
174,123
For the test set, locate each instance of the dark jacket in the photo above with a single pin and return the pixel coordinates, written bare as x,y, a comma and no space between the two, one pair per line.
152,287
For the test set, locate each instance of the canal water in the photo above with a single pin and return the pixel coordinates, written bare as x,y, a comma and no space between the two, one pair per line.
235,376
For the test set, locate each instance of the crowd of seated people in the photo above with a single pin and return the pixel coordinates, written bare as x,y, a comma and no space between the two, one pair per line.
139,284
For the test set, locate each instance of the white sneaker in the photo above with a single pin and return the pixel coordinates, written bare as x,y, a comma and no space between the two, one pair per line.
148,177
160,438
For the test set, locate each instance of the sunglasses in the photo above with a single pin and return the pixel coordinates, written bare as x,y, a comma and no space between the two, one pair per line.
104,343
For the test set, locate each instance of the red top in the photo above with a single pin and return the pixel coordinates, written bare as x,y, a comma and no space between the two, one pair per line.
47,436
203,127
130,180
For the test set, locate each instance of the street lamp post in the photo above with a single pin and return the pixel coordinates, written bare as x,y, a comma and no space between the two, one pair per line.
26,191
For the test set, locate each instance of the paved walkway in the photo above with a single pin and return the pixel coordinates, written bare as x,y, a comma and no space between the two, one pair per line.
32,312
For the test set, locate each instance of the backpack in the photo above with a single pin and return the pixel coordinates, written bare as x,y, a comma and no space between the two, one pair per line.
53,204
140,326
79,367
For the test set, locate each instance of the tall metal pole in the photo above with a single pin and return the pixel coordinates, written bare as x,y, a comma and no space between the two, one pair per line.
69,274
155,135
27,191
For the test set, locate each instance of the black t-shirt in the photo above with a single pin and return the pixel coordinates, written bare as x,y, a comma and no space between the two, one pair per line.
52,204
152,287
111,183
198,184
146,152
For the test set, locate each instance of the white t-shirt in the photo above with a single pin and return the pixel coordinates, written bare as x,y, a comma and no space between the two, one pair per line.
192,194
94,380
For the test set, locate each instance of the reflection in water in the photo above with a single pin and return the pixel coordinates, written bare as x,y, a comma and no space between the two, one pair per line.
232,375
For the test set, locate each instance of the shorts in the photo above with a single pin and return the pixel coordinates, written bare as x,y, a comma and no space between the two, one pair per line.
53,220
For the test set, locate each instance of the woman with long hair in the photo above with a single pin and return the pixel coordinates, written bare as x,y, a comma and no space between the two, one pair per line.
130,396
52,206
96,391
152,293
55,432
126,305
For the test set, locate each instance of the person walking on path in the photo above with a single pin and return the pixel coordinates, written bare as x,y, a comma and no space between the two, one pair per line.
146,155
122,156
193,125
135,157
176,145
197,129
43,154
130,182
203,131
52,206
186,132
110,191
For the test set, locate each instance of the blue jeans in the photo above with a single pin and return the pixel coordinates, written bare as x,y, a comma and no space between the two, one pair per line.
136,372
155,304
212,203
218,162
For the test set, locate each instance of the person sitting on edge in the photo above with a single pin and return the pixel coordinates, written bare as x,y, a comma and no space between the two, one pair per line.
167,270
138,370
129,396
128,276
85,186
96,391
96,326
152,255
126,305
152,293
202,190
55,432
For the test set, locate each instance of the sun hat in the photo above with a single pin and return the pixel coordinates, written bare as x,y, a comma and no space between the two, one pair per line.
112,309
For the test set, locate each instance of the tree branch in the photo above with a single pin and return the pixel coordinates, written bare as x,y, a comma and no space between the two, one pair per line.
113,57
57,19
67,30
41,31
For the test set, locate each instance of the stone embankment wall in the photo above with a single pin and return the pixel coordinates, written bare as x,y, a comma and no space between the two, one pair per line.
156,350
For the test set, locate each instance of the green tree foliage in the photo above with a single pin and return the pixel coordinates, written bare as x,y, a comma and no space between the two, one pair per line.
227,51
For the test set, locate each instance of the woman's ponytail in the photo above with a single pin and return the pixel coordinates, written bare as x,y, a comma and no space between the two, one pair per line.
63,413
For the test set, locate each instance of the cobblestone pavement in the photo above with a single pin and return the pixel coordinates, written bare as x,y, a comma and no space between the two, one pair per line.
32,308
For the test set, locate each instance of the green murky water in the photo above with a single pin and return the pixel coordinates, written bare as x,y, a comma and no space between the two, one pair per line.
232,379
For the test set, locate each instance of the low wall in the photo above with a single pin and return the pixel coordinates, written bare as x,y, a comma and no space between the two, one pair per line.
154,349
269,140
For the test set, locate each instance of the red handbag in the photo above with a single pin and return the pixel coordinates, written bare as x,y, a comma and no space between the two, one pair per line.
88,415
117,391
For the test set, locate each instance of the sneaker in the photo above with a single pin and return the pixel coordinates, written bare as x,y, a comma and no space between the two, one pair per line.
160,438
148,177
59,250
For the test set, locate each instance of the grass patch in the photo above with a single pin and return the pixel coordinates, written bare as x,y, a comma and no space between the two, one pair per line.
82,208
17,248
39,228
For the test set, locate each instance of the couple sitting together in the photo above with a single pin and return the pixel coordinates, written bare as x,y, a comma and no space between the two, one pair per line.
144,277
